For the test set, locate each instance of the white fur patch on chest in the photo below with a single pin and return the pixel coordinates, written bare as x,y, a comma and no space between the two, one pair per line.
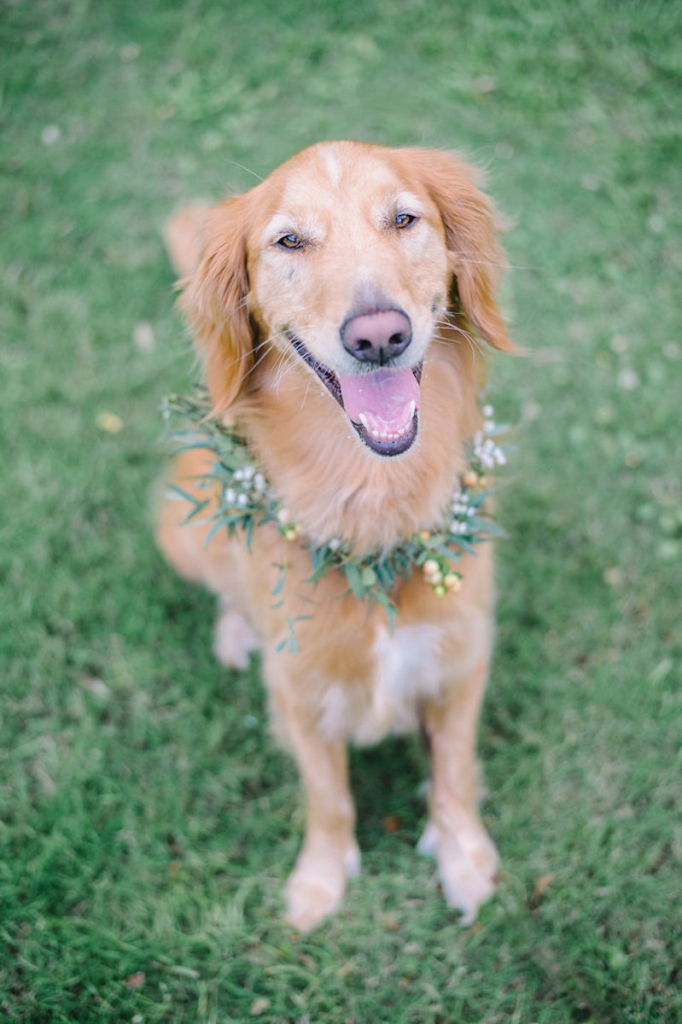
406,670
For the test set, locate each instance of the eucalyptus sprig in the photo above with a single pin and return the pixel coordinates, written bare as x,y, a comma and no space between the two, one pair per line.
246,501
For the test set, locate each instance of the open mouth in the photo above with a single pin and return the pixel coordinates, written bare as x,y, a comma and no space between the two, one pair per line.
382,404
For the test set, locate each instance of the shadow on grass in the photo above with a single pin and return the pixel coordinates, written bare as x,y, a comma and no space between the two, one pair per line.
387,787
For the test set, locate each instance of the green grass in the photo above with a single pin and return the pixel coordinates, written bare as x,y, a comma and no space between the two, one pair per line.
147,819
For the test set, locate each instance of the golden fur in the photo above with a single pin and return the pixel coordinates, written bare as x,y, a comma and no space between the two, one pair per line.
352,679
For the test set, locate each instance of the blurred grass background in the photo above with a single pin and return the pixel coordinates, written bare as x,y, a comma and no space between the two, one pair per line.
147,820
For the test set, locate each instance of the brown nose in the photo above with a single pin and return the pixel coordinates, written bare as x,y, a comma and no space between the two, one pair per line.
377,337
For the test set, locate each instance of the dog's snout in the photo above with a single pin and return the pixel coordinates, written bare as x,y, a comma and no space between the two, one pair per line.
377,337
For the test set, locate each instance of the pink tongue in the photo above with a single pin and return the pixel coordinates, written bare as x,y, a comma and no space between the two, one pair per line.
383,396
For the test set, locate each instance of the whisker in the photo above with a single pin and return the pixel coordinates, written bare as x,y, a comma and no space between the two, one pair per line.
495,263
243,168
256,363
285,366
259,178
307,389
473,342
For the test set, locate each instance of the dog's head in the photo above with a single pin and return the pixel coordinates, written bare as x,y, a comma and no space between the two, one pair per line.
349,260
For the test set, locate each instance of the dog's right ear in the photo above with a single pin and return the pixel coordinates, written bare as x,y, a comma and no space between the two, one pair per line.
215,297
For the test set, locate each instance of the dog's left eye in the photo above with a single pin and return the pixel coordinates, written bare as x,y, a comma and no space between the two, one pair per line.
290,242
404,220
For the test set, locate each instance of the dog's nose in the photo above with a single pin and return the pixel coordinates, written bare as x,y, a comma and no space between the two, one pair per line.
377,337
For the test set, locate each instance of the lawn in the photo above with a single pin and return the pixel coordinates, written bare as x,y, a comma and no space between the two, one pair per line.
148,820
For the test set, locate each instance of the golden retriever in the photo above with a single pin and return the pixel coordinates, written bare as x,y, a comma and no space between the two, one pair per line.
334,306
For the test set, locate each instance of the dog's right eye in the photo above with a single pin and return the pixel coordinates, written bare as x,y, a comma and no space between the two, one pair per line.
290,242
404,220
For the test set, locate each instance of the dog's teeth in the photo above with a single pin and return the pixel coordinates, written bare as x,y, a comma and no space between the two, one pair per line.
375,431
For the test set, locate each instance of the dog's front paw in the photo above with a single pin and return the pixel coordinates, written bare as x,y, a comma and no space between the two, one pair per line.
317,884
467,865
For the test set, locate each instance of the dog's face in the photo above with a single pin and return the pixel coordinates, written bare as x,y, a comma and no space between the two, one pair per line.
350,269
348,259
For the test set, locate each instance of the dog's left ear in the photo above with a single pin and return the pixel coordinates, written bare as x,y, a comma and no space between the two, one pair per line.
477,258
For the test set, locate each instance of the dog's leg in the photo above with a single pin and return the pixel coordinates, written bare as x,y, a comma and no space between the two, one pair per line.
330,854
467,859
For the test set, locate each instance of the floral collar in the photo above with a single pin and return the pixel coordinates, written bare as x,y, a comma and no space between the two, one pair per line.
248,501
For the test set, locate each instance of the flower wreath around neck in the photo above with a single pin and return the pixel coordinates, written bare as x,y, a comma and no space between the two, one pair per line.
247,501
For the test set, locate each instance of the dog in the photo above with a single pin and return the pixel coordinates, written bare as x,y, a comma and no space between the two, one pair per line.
338,307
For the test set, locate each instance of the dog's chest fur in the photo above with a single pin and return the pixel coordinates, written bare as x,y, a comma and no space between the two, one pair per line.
405,669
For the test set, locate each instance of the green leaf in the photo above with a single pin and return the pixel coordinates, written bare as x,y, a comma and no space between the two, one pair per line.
368,577
446,552
279,585
463,544
185,495
354,580
293,643
386,575
212,532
